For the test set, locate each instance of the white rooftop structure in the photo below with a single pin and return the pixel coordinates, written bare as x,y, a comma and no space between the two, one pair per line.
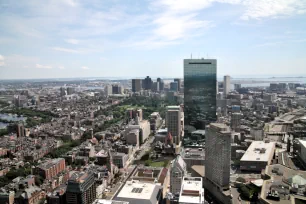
192,191
259,151
136,192
302,142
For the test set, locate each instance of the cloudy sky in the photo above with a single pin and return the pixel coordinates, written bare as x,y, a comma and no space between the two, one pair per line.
135,38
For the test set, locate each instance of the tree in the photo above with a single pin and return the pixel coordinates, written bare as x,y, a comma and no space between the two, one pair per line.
240,179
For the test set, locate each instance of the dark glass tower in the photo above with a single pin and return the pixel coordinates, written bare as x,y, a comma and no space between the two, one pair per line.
200,76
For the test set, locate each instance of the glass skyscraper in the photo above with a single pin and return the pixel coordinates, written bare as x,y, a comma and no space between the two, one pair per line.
200,78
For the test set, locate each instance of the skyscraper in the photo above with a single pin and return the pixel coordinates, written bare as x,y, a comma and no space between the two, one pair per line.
218,155
174,86
161,84
147,83
200,78
136,85
173,121
178,83
81,188
226,85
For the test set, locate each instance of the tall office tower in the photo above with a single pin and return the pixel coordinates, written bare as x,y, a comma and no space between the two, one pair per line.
155,87
117,89
200,78
136,85
161,84
70,90
81,188
63,91
174,86
218,154
20,130
178,83
235,121
108,90
226,85
173,121
178,170
237,86
147,83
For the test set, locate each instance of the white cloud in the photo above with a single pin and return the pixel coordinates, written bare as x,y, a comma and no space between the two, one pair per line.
72,41
258,9
1,61
39,66
62,49
61,67
84,67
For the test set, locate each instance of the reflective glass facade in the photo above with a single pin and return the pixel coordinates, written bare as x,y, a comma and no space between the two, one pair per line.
200,76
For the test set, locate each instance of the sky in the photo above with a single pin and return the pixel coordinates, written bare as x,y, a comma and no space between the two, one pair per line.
131,38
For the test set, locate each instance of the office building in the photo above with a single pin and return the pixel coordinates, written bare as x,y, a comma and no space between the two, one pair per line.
161,84
155,121
147,83
136,85
237,86
174,86
155,87
179,84
193,156
258,156
235,121
81,188
117,89
63,91
299,149
178,170
51,168
108,89
119,159
136,192
218,155
20,130
199,94
226,85
192,191
70,90
173,121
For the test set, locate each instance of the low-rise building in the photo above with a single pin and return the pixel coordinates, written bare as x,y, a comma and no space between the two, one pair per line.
192,191
258,156
136,192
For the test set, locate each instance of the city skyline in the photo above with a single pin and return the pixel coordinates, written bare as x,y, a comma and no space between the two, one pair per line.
71,39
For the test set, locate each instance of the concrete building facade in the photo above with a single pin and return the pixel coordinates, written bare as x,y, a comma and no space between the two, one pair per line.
218,154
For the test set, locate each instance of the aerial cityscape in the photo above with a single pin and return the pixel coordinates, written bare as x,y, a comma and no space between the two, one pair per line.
130,102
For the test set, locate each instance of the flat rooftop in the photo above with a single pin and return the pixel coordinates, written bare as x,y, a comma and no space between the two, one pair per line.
192,191
138,190
259,151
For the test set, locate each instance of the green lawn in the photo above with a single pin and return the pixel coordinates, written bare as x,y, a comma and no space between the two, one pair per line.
156,164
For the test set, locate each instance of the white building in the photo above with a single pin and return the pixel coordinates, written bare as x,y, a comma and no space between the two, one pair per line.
258,156
144,130
177,172
136,192
192,191
226,85
218,154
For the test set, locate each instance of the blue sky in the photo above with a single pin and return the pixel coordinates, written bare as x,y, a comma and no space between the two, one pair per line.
112,38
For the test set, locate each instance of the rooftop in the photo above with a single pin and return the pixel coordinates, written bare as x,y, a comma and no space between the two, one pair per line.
192,191
259,151
138,190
